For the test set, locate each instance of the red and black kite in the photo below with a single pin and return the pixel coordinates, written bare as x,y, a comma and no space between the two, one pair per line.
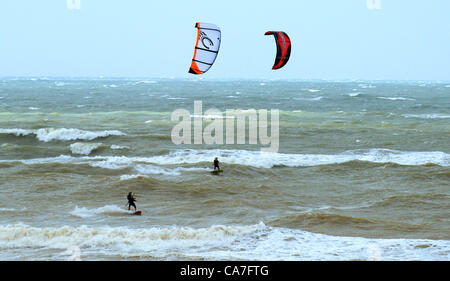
283,48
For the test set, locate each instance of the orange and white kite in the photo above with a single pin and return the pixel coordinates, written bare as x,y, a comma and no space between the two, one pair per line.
206,47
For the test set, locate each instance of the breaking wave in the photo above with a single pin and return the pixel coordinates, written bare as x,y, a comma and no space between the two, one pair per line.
84,148
217,242
247,158
62,134
84,212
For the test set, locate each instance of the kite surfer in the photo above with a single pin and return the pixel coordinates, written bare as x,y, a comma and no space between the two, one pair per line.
216,164
131,201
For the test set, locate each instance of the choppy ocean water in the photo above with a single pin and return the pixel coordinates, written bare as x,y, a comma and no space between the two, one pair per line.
362,171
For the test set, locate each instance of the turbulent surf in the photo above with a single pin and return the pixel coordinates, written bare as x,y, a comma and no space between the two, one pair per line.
362,171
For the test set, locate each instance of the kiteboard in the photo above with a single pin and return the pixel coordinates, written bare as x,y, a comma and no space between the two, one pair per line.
137,213
216,172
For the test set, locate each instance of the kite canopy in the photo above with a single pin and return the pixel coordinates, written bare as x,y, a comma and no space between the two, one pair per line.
283,48
206,47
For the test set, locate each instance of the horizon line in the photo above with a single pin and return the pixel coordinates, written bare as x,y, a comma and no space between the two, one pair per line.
100,77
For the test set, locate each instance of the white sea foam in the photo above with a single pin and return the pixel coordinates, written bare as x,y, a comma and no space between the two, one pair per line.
50,134
396,98
313,90
366,86
148,169
62,134
110,86
84,212
250,158
310,99
427,116
130,177
268,160
62,159
16,132
84,148
113,162
357,94
154,170
193,169
117,147
217,242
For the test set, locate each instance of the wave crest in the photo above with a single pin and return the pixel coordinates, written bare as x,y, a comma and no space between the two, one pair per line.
84,148
255,159
62,134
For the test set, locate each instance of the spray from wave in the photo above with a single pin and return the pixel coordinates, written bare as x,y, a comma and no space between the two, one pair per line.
84,212
84,148
62,134
217,242
249,158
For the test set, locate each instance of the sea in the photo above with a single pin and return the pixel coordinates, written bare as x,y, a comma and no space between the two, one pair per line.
361,171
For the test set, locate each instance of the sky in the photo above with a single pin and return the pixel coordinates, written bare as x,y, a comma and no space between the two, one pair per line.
331,39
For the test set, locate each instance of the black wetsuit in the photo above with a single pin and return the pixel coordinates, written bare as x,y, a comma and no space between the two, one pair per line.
131,201
216,164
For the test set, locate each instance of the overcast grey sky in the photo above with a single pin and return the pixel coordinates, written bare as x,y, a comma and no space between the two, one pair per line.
331,39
